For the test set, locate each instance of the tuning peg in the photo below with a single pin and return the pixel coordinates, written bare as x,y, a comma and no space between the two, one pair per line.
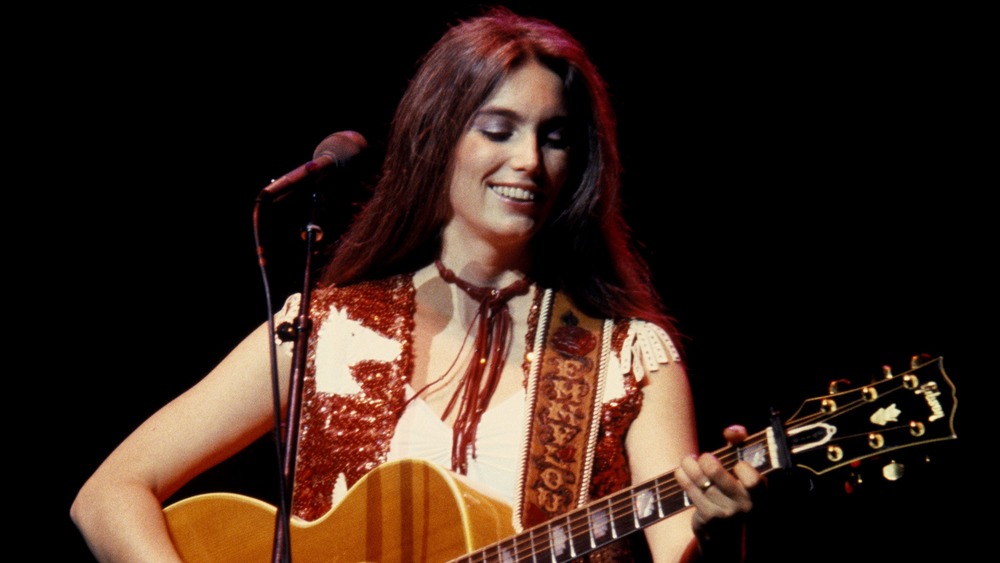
836,383
893,471
919,360
887,372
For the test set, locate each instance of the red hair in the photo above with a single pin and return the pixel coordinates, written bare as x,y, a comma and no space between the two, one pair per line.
584,249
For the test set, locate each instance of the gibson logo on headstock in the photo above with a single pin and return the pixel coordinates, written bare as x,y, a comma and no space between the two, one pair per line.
930,392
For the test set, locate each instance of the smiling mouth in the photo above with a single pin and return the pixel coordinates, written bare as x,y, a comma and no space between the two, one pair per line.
513,192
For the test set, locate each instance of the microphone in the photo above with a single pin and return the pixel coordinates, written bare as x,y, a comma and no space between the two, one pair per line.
335,151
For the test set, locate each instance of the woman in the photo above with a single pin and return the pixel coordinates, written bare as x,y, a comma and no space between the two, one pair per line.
489,280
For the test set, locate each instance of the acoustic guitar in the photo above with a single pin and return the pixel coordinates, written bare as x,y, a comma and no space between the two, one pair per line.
411,510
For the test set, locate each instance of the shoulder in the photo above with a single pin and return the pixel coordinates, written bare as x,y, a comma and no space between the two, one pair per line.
364,294
387,285
355,298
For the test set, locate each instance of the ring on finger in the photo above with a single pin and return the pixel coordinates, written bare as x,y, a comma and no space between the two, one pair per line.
705,486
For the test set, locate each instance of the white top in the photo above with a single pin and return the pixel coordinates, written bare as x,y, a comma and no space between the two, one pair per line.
420,434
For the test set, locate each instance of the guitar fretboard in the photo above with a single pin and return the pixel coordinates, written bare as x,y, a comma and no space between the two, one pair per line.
600,523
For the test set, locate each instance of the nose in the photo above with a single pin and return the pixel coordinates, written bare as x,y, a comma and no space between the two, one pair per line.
525,156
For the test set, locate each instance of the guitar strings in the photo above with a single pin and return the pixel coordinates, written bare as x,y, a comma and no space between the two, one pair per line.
892,385
580,522
854,405
610,510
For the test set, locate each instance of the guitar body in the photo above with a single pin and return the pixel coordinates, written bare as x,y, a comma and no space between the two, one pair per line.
407,510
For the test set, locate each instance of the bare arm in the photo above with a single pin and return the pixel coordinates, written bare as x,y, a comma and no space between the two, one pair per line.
119,508
662,435
662,439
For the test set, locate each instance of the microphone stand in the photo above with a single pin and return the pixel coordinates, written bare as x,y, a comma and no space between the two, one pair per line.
302,331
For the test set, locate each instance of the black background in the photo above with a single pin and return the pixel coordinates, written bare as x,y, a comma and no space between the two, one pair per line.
803,183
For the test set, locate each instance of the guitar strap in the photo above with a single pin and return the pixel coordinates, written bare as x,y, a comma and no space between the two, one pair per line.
565,390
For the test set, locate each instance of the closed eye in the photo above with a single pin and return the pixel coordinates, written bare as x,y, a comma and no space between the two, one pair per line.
556,134
497,126
500,125
496,136
557,139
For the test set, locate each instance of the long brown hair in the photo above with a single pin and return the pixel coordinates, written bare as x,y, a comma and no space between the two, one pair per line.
583,249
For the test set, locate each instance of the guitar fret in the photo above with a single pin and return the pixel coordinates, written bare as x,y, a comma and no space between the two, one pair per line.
582,534
644,506
657,486
502,552
508,551
600,524
527,551
622,514
559,535
757,453
672,499
541,549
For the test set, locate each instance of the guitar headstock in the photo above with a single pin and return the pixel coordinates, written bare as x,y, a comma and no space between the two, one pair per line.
898,411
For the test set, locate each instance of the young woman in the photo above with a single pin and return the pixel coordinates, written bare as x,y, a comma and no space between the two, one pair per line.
485,294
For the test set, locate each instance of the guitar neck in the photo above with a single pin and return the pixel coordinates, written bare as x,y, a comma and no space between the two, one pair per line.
611,518
915,407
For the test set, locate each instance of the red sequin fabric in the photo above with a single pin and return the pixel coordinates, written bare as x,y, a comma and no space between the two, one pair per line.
346,435
349,434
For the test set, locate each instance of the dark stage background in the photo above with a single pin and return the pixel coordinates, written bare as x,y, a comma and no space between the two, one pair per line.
801,183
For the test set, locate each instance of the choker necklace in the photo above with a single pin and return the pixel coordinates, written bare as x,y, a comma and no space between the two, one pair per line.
488,352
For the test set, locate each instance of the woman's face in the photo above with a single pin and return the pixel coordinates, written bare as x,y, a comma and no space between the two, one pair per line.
513,159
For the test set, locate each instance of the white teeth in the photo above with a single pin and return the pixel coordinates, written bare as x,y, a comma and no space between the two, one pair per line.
512,192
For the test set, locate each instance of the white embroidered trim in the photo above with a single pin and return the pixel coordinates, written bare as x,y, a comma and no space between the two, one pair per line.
647,346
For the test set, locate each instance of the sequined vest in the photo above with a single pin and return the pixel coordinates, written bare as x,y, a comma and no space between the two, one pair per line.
343,436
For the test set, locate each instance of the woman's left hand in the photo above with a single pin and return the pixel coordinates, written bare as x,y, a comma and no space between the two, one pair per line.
721,498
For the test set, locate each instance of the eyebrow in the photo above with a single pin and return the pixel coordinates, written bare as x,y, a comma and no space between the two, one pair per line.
514,116
498,111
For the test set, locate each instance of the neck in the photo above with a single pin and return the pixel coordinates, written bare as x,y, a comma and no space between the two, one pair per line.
484,264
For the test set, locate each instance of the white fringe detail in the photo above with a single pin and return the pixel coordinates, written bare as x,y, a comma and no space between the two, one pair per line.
647,346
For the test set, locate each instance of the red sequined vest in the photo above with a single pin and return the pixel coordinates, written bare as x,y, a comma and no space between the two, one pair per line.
344,436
